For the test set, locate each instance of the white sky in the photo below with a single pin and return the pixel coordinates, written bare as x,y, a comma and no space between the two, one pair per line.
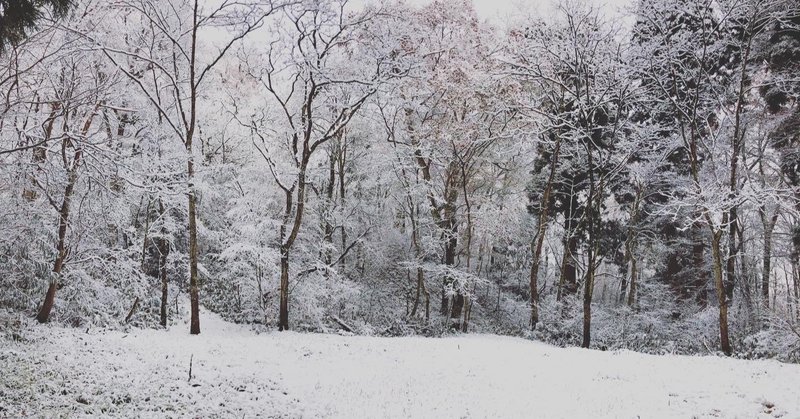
500,11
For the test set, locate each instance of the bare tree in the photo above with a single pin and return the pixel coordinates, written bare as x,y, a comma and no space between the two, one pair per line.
166,67
320,101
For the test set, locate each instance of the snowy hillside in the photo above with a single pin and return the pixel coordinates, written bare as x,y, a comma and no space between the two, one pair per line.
55,372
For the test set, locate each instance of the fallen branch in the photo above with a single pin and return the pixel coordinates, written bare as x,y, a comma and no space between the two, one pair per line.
132,310
343,324
190,367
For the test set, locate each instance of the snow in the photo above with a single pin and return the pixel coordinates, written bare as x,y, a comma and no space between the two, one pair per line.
55,371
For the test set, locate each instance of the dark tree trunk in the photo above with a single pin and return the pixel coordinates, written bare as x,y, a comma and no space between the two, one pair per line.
730,263
766,273
534,283
569,272
63,220
630,254
538,240
450,260
329,188
163,253
342,161
418,293
634,283
133,309
699,261
283,315
450,226
39,153
163,249
164,291
592,222
587,317
194,298
194,328
47,306
725,344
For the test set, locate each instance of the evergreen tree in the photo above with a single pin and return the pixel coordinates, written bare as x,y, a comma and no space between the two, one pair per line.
17,17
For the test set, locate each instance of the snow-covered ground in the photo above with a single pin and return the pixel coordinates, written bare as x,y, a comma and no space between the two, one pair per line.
57,372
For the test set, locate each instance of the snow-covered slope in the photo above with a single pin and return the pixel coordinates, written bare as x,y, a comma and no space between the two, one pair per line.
236,373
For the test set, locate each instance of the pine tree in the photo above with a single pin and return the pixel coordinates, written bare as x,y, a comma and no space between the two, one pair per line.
17,17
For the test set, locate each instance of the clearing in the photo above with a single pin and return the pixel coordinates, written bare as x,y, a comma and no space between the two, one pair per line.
59,372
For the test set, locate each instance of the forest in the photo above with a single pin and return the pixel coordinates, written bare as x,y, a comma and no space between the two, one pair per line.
388,169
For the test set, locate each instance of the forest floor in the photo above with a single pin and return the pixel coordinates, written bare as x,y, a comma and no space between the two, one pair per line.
49,371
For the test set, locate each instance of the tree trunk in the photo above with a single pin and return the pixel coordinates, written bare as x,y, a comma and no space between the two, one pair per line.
568,282
63,220
283,316
699,263
630,252
467,314
164,289
737,145
39,153
721,296
534,283
587,313
49,300
418,293
293,213
163,252
342,161
194,298
450,260
146,234
458,298
193,286
538,241
633,284
47,306
132,311
730,263
329,188
450,226
592,212
769,226
413,212
796,281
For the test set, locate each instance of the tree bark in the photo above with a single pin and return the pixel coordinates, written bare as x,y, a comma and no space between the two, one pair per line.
194,298
450,227
766,273
733,249
132,311
163,253
725,344
450,260
541,229
329,188
341,163
568,281
164,289
700,281
737,145
418,253
194,328
283,315
592,213
43,315
630,253
39,152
